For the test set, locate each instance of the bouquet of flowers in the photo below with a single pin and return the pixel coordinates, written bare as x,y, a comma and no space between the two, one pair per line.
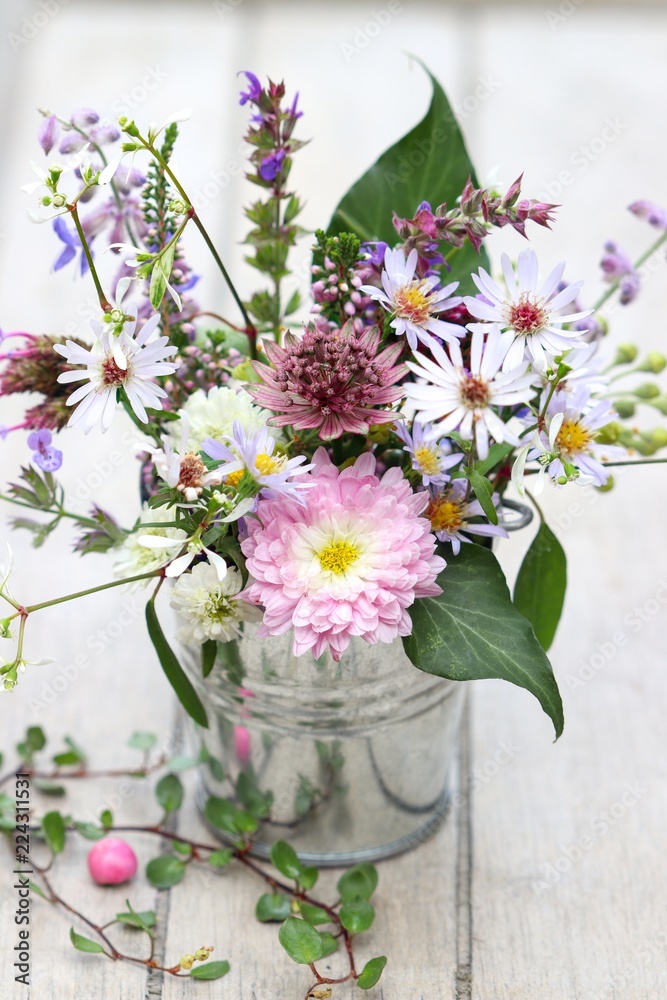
342,475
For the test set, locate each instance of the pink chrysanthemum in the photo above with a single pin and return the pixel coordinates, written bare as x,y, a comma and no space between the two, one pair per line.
349,562
330,379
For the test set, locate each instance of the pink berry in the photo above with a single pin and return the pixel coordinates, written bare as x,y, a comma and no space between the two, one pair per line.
111,861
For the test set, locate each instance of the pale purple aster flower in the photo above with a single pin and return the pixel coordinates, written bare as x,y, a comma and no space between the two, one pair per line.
430,452
255,453
575,442
72,243
532,312
451,514
48,458
414,302
142,360
467,398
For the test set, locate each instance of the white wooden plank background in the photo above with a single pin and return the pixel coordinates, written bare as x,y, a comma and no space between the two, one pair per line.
594,930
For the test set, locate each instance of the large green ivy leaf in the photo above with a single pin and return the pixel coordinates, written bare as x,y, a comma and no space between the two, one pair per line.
430,163
472,630
539,591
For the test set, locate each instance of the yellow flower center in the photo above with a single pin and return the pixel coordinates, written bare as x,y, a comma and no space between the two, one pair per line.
427,460
266,465
413,302
234,478
445,515
338,556
573,437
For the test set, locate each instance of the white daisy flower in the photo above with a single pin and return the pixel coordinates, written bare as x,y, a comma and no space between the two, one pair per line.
181,554
414,302
207,607
466,398
141,363
530,311
213,414
134,557
184,470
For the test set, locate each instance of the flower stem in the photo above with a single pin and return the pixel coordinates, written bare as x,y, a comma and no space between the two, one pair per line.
636,461
91,590
104,302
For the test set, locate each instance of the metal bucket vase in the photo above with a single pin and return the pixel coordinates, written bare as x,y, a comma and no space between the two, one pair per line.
352,758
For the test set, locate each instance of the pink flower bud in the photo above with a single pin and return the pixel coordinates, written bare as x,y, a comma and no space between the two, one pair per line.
111,862
242,744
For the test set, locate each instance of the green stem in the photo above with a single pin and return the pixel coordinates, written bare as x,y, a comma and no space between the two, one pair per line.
104,302
638,263
59,512
250,329
636,461
91,590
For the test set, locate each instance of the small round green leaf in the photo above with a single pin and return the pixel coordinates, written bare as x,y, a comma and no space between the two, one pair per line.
212,970
302,942
169,792
90,831
84,944
165,871
314,914
141,920
221,813
142,741
272,906
285,859
356,915
371,973
361,881
106,818
308,878
53,828
329,943
221,858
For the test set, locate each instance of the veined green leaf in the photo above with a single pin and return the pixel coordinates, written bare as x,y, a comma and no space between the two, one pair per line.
472,630
539,591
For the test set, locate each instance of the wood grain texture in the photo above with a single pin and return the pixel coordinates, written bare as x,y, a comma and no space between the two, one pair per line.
527,916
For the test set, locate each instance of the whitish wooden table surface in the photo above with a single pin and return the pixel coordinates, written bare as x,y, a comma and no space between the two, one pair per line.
549,882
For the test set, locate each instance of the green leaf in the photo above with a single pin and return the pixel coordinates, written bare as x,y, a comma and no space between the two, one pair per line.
356,915
209,652
221,858
165,871
272,906
89,831
67,758
225,816
185,850
176,676
497,452
142,741
314,914
36,889
212,970
302,942
169,792
53,828
82,943
48,787
539,591
106,818
361,880
161,273
35,737
181,763
140,920
371,972
308,877
483,490
285,859
257,802
329,943
430,162
472,630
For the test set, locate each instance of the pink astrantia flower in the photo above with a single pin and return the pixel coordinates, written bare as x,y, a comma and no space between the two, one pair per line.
333,380
350,562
